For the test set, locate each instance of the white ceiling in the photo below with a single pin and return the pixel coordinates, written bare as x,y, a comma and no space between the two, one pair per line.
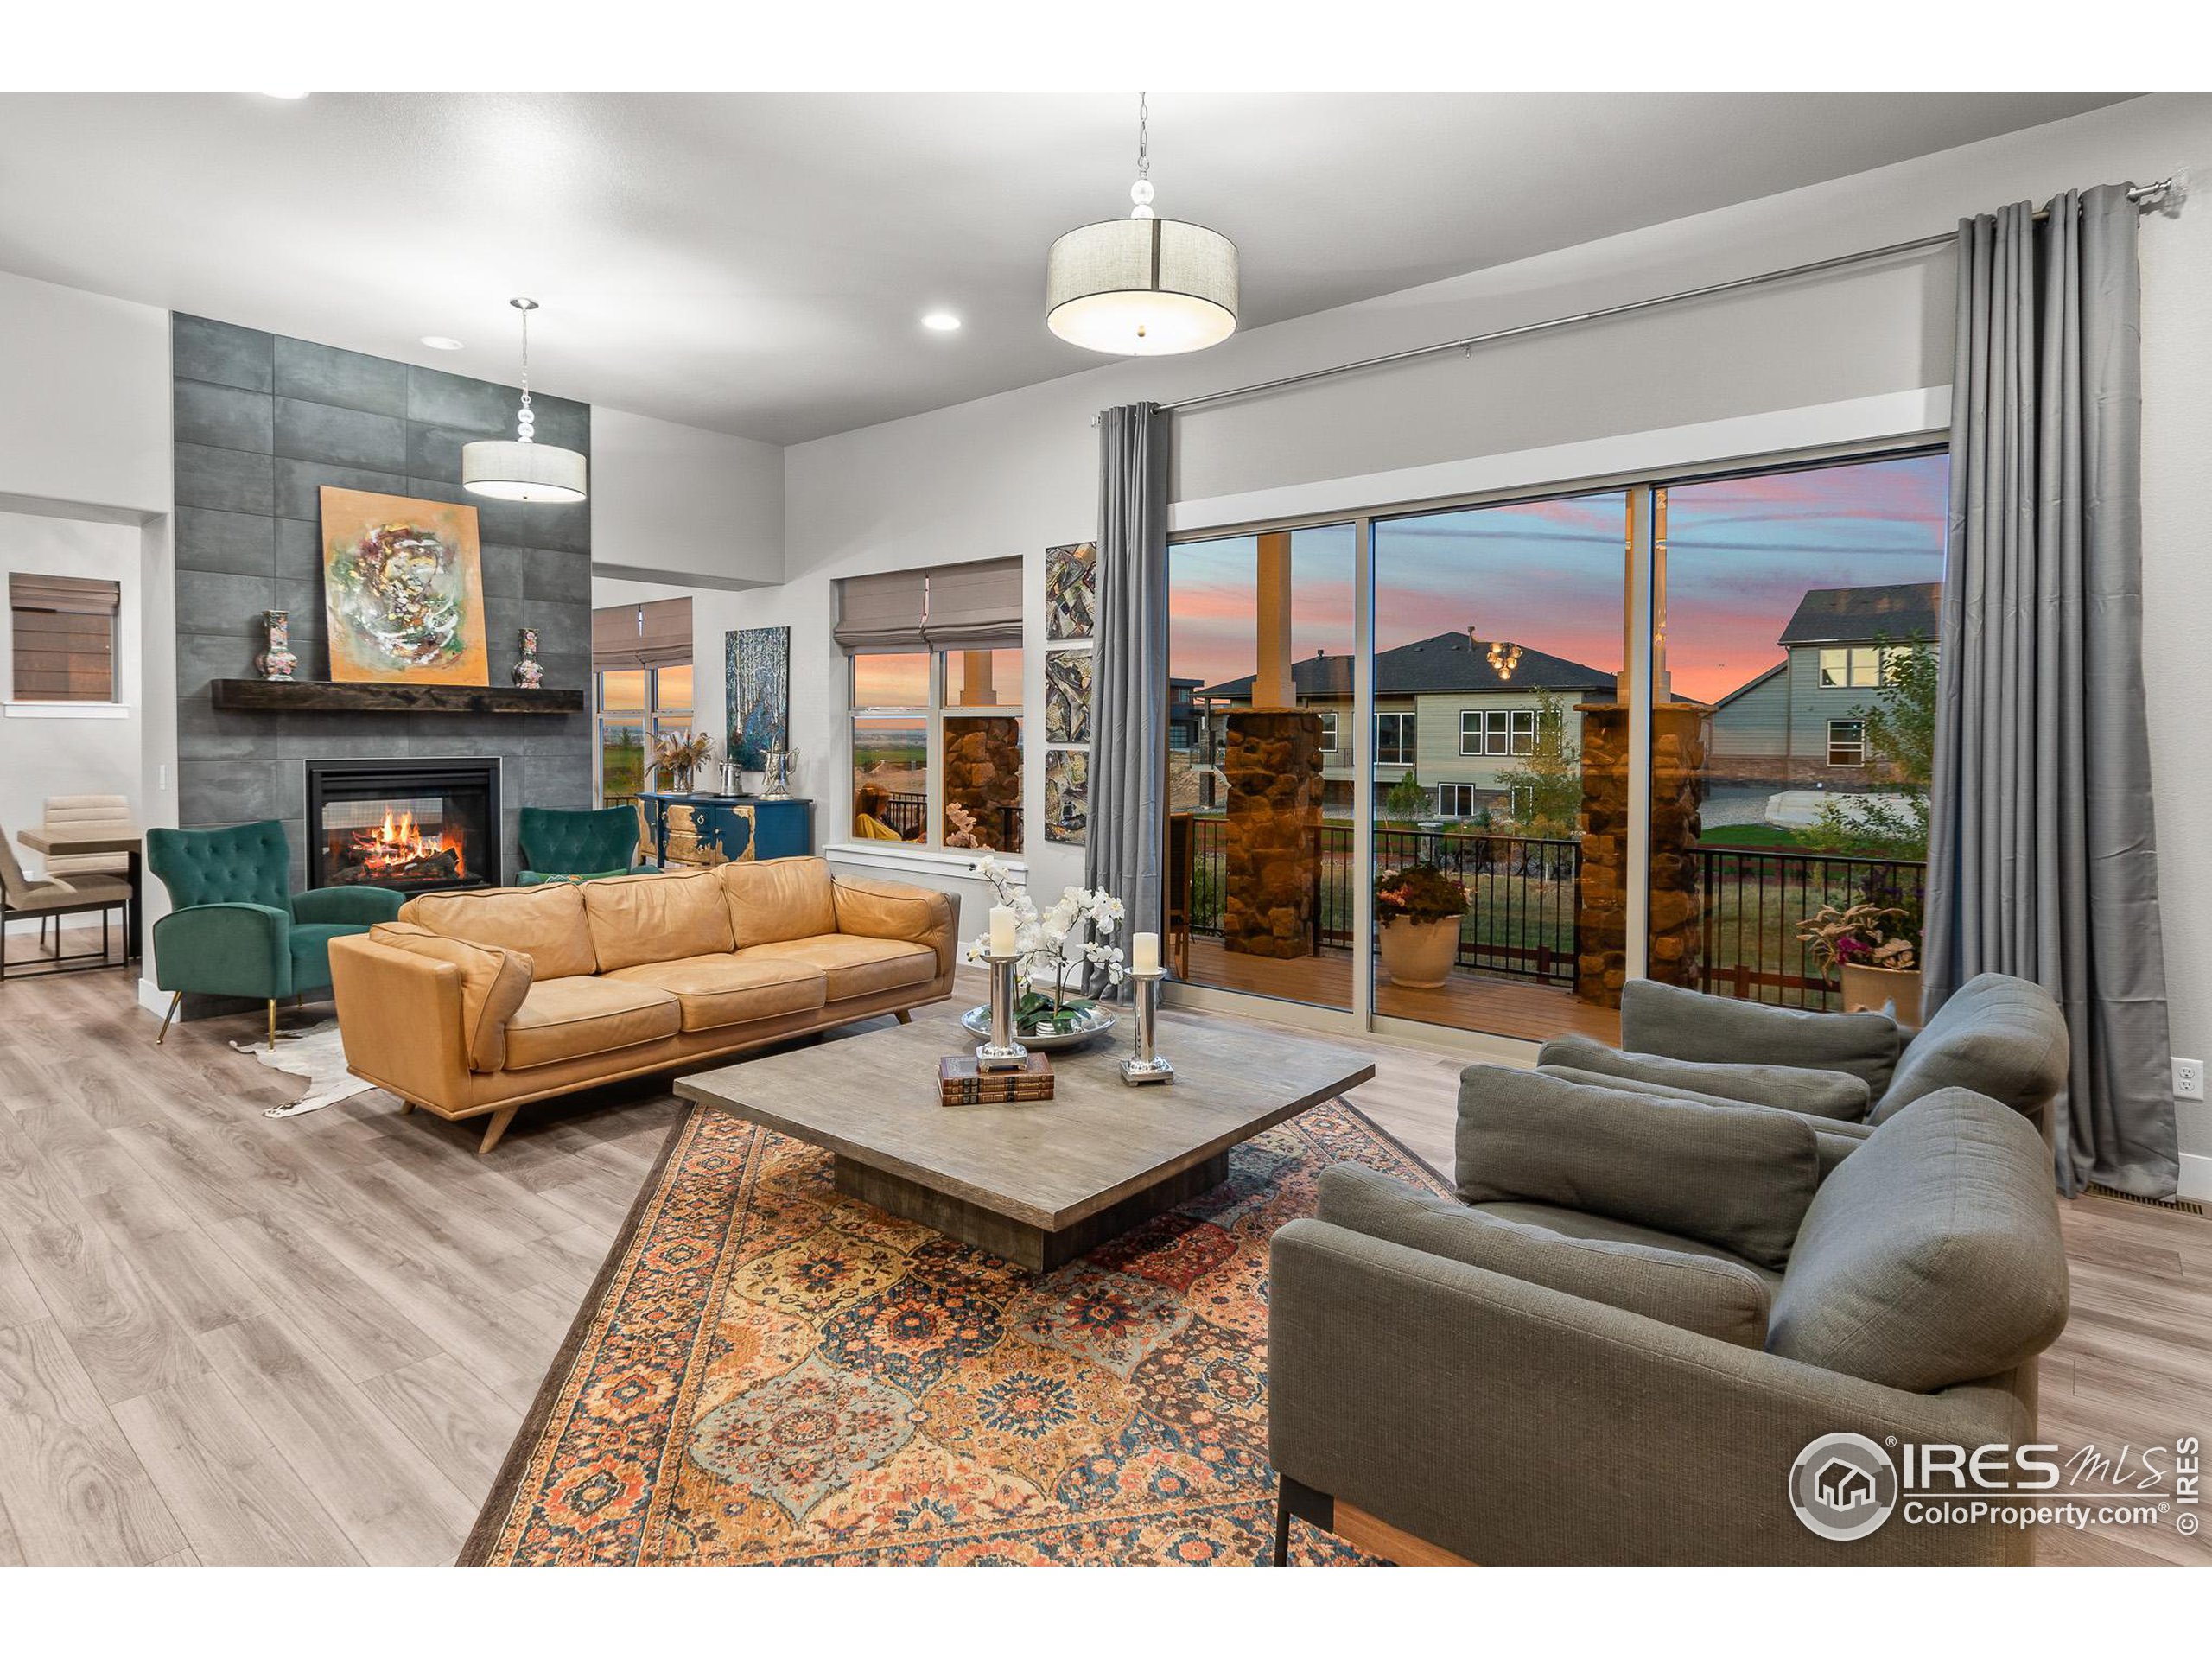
758,264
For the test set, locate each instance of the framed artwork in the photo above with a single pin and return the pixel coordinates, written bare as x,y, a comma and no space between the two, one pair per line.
1067,795
758,665
402,589
1067,696
1072,591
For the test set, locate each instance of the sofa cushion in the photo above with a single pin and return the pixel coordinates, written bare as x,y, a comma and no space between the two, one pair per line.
853,966
1795,1089
1691,1025
2001,1037
1693,1291
897,910
778,899
545,924
656,917
567,1018
492,985
719,990
1740,1177
1932,1255
1580,1224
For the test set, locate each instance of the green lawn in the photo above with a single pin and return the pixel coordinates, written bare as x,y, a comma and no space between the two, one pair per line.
1755,835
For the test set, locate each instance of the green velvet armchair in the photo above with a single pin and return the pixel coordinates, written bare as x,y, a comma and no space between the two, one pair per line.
233,930
558,846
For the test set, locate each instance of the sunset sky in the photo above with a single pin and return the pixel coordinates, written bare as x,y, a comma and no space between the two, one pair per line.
1740,554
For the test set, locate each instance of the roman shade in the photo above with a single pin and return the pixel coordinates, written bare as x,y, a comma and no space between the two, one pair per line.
70,595
882,612
655,634
974,607
65,637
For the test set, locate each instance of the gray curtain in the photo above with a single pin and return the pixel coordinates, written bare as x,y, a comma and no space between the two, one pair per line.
1128,712
2042,859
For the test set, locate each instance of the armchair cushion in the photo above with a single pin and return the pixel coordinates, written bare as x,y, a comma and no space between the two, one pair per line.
1740,1177
1932,1254
225,950
555,841
1699,1292
492,985
309,945
2001,1037
1840,1094
1682,1025
361,907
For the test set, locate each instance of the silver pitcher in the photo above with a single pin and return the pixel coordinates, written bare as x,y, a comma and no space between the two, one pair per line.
777,772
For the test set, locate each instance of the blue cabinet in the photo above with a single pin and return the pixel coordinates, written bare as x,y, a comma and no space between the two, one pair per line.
709,829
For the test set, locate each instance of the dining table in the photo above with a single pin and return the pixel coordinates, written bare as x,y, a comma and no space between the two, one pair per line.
72,843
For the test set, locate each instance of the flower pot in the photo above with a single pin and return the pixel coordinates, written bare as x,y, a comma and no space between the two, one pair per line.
1418,955
1869,988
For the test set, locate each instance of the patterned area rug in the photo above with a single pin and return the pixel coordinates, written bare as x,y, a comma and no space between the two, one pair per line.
771,1372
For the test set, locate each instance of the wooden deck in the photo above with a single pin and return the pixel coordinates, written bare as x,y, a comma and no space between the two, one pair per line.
1496,1005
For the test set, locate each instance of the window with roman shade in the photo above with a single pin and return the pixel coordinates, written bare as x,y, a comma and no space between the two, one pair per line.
882,612
64,637
974,607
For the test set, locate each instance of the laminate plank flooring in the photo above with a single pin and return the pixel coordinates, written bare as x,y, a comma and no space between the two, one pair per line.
225,1338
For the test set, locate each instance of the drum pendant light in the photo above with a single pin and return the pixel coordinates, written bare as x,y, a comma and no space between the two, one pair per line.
1142,286
521,468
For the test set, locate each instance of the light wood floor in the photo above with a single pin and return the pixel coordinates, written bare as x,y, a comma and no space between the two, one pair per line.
229,1338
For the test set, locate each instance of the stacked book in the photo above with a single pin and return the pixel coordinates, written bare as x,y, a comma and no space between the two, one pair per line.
961,1084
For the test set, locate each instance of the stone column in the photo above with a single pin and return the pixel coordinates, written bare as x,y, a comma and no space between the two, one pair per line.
1677,799
982,773
1272,864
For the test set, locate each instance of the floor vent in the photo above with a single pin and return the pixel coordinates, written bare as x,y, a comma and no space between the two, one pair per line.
2187,1206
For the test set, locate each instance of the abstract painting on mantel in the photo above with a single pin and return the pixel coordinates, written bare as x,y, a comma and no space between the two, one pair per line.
403,587
1067,795
1072,591
758,675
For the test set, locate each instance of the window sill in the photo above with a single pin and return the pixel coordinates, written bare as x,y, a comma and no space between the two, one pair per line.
66,710
918,860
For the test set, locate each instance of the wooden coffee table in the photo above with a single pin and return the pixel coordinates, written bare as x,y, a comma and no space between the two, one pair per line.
1040,1182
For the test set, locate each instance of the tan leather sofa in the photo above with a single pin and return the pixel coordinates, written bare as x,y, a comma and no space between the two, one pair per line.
473,1004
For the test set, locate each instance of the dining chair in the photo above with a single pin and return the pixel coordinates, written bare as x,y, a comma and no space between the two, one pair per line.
50,900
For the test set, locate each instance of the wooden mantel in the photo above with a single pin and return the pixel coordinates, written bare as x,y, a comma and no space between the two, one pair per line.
354,697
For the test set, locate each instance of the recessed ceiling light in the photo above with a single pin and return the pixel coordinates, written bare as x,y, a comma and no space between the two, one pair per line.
441,342
944,322
287,94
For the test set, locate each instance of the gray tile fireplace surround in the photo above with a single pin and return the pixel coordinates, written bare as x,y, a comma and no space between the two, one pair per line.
261,423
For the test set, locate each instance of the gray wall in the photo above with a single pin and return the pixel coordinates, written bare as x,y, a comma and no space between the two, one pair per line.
261,423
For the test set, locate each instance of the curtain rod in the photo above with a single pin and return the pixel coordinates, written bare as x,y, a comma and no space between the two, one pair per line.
2138,194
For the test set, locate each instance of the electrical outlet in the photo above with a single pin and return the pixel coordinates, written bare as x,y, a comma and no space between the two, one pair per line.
2188,1080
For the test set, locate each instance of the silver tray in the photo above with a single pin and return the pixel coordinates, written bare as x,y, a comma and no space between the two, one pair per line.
978,1022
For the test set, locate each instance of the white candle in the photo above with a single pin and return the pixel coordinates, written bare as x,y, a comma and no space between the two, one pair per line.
1003,920
1144,953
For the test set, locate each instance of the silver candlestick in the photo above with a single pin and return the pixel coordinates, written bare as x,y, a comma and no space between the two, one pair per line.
1146,1065
1002,1052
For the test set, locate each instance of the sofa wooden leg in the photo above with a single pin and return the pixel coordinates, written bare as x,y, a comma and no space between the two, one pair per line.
405,1107
904,1016
497,1128
163,1035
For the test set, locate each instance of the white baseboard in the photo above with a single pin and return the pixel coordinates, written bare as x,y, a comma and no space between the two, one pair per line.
151,997
2196,1177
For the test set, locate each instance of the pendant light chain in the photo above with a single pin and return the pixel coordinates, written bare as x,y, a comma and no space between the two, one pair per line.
1141,192
525,422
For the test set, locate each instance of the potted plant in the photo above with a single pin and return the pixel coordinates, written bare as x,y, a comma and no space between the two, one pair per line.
1418,907
1050,942
675,757
1875,951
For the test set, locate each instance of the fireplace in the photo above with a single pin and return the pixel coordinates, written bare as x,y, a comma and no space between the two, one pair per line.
415,826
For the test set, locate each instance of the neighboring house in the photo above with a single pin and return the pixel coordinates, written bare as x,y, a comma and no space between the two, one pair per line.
1444,710
1797,721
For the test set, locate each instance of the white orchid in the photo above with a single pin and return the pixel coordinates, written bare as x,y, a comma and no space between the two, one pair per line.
1051,940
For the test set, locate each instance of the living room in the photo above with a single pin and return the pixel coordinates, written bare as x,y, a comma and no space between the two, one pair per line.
1151,827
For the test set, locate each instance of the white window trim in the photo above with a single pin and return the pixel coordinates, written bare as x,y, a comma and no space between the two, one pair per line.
1848,765
935,718
1328,731
85,710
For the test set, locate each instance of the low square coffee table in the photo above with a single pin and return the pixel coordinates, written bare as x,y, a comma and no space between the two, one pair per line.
1037,1182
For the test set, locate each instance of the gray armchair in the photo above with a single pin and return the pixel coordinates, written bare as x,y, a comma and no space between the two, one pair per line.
1616,1343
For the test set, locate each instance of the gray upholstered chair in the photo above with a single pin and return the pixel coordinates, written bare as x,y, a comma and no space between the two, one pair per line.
1617,1342
2001,1037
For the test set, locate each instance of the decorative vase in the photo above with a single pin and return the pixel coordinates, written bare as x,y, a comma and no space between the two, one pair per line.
1871,988
1418,955
278,662
778,773
529,673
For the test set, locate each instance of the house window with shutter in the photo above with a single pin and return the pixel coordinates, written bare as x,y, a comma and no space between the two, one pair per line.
64,629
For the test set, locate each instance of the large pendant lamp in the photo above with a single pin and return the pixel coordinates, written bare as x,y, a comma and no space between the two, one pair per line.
521,468
1142,286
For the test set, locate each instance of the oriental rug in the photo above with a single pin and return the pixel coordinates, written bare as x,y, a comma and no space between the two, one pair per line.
768,1371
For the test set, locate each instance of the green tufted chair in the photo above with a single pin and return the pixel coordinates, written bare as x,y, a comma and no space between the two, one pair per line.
234,930
576,846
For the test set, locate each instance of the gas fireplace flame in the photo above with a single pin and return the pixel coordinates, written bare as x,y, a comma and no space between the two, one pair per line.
399,848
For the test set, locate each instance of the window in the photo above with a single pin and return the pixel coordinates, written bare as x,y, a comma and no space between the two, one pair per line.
1524,732
65,637
1456,800
1394,740
1328,731
1857,667
1846,743
636,705
1497,731
964,707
